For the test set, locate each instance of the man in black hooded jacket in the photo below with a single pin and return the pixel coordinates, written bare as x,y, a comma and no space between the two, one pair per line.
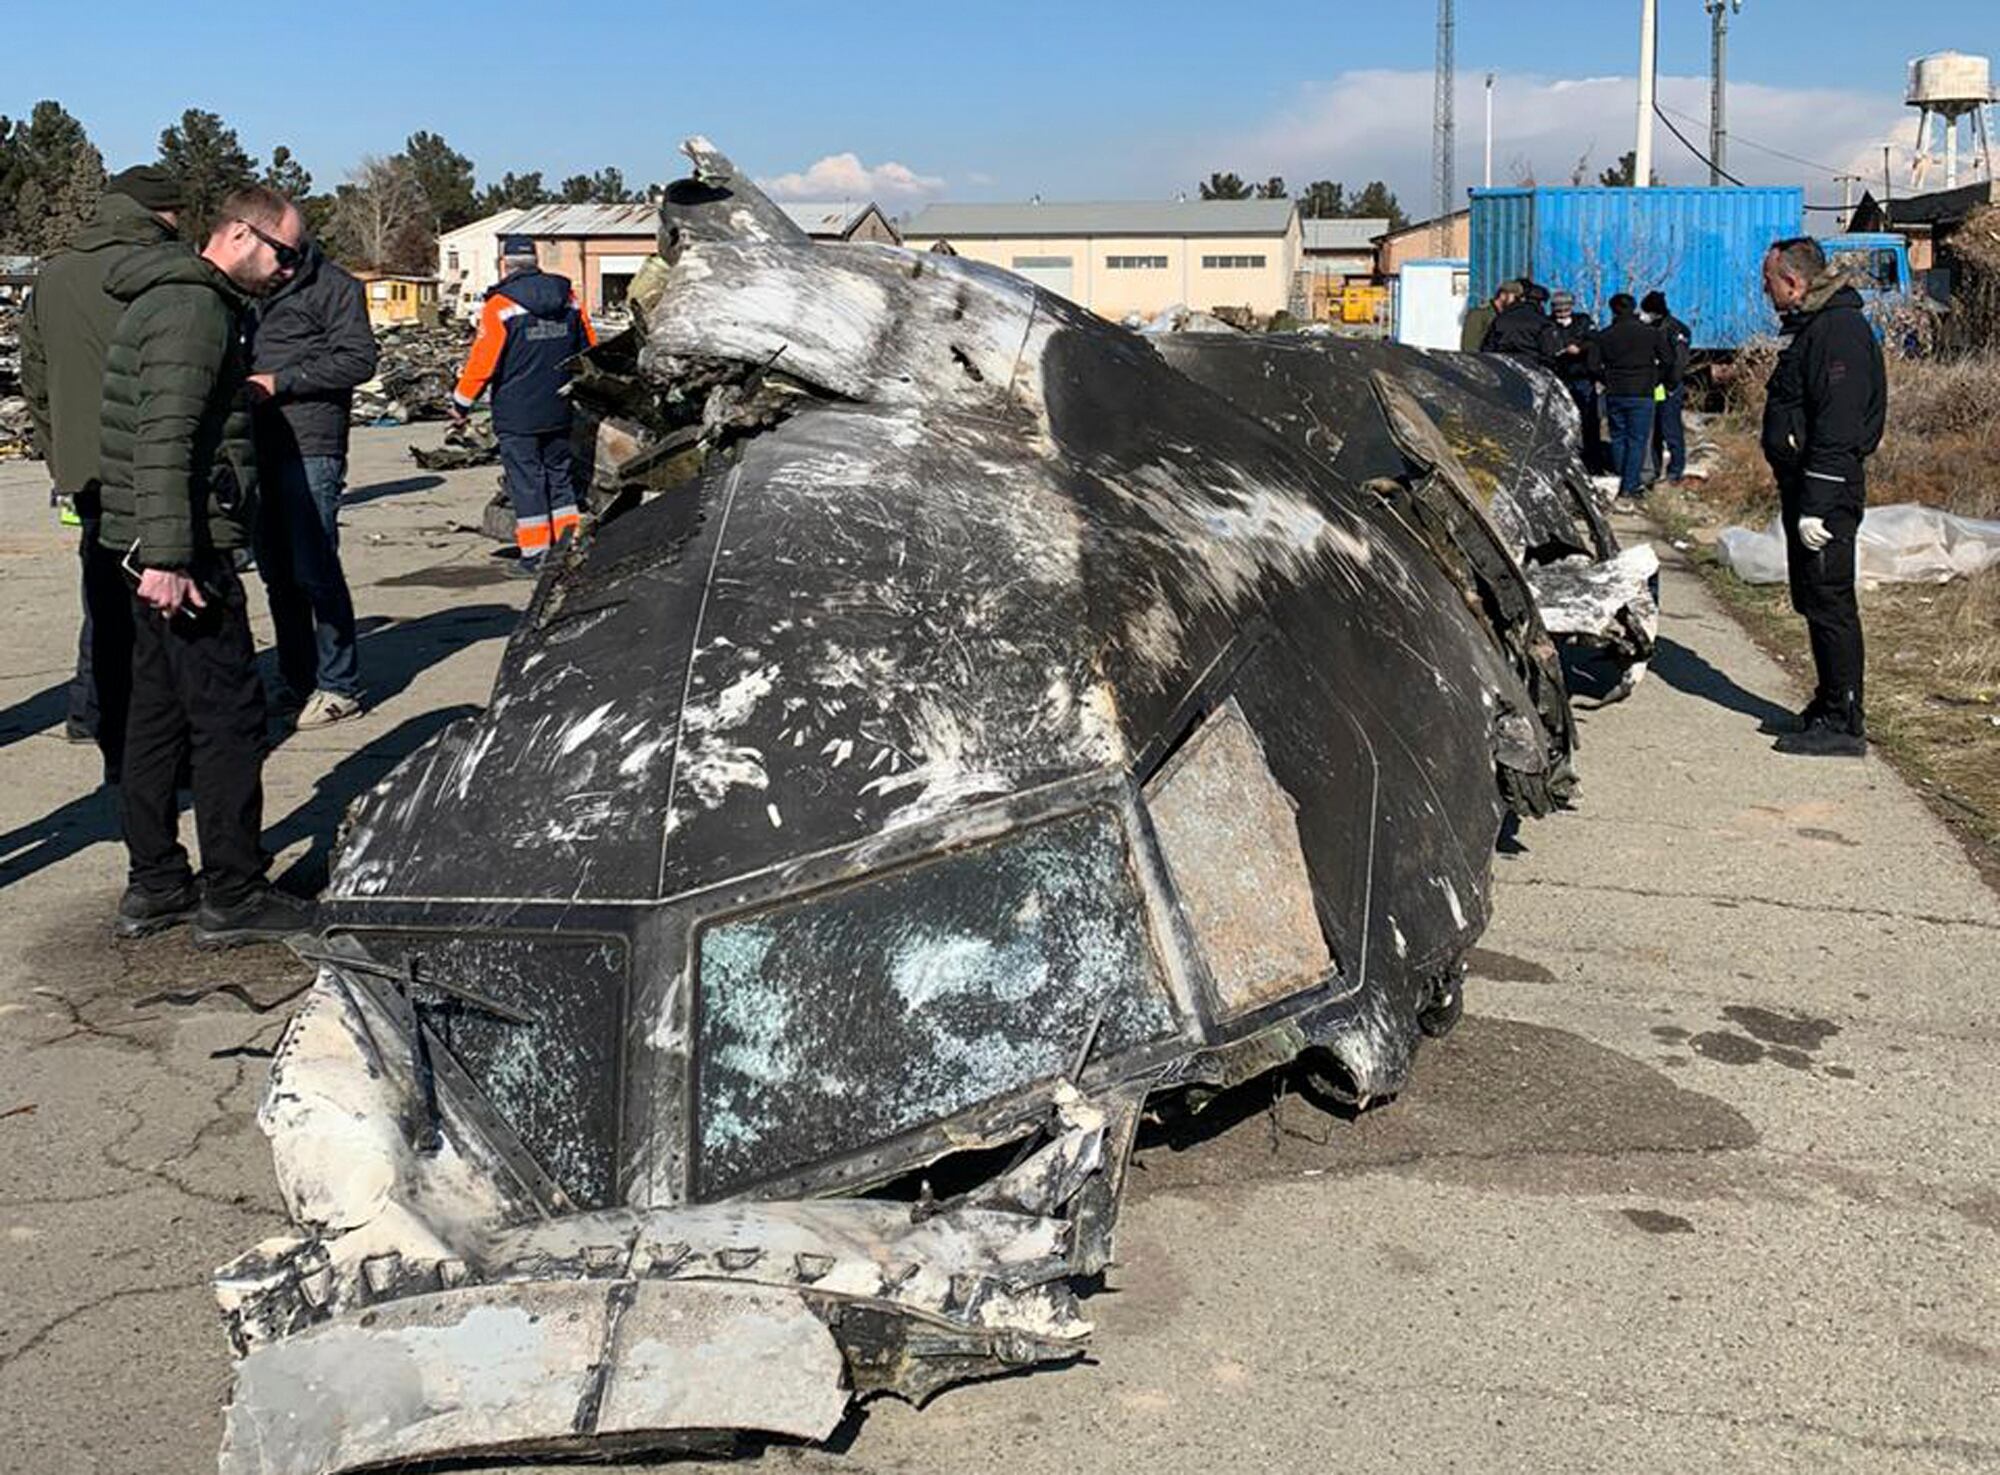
1823,416
312,346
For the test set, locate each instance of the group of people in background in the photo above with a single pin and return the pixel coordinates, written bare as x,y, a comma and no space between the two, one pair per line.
1628,378
192,400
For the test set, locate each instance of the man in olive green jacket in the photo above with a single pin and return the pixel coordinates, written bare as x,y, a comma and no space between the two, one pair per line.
64,333
179,494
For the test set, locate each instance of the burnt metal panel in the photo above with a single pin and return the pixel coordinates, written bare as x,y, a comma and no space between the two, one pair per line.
1230,836
850,1016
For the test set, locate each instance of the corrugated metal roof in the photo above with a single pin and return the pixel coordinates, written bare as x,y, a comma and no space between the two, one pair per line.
824,217
1116,218
1342,235
490,225
588,220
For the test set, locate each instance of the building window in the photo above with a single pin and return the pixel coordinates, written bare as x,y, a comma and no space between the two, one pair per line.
1135,263
451,261
1232,263
1043,263
613,288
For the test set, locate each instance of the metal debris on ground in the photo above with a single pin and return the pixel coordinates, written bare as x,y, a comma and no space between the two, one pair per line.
17,426
470,444
416,374
963,734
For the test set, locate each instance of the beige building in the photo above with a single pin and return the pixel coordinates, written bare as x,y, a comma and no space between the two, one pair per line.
1449,236
1117,259
468,261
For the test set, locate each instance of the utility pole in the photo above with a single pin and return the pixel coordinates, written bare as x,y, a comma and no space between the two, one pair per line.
1718,86
1444,128
1489,130
1649,40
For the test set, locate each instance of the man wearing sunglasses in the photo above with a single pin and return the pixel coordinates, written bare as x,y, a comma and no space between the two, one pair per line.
179,501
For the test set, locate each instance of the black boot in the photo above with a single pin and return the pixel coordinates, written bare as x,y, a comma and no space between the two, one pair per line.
142,913
1793,722
264,915
1835,731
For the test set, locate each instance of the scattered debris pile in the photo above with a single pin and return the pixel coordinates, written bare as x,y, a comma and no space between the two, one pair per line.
16,425
414,379
982,735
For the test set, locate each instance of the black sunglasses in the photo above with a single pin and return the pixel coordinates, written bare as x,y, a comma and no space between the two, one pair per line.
291,258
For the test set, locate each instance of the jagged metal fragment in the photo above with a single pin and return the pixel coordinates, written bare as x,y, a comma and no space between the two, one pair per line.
876,788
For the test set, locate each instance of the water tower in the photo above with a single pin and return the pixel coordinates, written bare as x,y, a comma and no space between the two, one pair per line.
1953,88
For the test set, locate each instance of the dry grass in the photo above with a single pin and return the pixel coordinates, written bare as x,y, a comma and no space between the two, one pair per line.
1933,650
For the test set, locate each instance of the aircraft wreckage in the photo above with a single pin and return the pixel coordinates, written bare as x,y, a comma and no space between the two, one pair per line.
981,729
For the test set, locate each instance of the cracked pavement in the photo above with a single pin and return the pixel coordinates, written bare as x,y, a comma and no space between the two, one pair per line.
1706,1179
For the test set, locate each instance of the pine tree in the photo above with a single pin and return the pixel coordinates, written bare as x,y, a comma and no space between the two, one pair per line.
203,153
51,177
1378,202
1324,199
445,177
514,192
1225,187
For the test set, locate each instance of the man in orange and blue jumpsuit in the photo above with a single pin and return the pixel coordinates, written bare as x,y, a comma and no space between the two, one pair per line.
530,328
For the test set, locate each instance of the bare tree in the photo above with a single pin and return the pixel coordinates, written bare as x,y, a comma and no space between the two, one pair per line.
381,215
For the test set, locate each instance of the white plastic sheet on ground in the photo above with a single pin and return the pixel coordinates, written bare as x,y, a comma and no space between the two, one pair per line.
1907,543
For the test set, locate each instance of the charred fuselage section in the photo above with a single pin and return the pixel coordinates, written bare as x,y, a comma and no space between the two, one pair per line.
981,729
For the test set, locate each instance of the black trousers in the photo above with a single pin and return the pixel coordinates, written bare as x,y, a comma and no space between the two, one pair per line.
1823,590
196,697
101,689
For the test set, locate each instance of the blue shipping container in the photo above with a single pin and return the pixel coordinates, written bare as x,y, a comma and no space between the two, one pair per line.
1703,247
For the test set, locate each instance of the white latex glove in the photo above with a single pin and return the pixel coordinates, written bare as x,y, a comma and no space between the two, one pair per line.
1813,533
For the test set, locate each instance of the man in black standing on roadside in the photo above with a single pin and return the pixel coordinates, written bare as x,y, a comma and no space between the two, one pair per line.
64,333
1823,416
312,346
1571,350
1632,355
1670,453
1519,328
179,494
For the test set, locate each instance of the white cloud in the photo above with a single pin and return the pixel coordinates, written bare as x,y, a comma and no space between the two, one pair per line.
845,177
1367,125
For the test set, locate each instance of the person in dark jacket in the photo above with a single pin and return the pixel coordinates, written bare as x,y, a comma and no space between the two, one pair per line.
312,346
64,332
1631,355
179,495
1479,320
1517,331
1570,348
530,328
1824,411
1669,430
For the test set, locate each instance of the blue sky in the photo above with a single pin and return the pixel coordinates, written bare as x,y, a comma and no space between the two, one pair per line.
1077,100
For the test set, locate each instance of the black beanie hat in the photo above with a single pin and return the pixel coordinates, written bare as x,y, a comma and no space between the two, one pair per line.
1655,303
148,185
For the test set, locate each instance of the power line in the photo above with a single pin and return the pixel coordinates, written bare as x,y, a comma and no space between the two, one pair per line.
1762,148
1715,170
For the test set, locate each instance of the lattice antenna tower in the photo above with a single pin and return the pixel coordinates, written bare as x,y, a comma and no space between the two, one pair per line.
1444,127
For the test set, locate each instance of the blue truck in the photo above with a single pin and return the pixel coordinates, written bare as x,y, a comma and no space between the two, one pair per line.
1703,247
